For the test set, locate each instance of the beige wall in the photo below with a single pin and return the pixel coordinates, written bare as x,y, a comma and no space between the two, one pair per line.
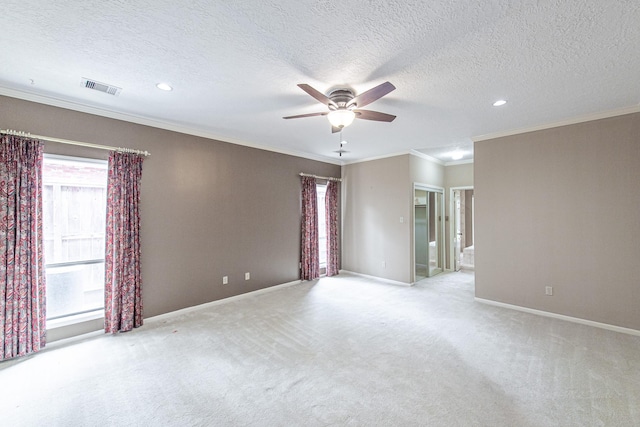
560,207
426,172
458,175
375,195
209,208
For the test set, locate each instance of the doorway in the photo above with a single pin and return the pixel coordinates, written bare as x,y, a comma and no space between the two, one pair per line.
463,248
428,231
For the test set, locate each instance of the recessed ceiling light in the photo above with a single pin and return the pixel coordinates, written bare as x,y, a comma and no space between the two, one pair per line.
499,103
457,154
164,86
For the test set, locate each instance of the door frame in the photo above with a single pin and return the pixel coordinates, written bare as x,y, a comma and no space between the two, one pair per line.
435,189
452,225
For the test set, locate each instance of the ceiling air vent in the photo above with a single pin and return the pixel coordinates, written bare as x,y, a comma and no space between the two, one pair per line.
100,87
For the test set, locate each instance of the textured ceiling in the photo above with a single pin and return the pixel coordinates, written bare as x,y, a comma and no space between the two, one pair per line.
234,65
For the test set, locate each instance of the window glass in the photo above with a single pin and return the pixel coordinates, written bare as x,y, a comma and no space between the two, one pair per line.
322,225
74,215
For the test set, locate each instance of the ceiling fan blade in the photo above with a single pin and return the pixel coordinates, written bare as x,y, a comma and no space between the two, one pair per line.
299,116
373,115
371,95
321,97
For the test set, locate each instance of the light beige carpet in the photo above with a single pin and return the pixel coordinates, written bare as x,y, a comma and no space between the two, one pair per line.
338,351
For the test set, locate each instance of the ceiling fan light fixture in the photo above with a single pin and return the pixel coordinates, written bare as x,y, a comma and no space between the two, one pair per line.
341,118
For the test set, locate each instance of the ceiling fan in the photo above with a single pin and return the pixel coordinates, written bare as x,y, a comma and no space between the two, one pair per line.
344,105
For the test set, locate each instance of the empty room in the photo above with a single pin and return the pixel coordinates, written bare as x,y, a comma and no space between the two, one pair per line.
320,213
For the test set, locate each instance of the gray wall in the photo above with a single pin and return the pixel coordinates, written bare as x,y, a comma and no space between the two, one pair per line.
559,207
209,208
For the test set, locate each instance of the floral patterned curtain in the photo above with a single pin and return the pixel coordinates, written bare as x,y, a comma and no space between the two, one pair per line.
22,278
331,209
309,256
123,281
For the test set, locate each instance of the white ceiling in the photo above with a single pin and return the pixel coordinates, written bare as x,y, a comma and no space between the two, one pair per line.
234,65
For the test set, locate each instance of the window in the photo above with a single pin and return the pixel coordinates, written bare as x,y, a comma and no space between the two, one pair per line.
321,190
74,215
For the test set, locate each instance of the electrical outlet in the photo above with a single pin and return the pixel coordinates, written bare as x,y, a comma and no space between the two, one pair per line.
225,280
247,276
548,290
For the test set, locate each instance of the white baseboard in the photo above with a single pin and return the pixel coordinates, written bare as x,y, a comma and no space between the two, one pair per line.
382,279
561,317
221,301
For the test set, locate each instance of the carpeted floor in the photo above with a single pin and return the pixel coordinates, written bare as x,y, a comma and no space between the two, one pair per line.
337,351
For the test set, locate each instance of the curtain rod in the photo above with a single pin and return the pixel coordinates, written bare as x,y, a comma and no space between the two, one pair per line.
67,141
328,178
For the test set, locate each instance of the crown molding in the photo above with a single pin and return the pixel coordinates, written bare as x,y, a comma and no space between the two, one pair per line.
426,157
459,162
565,122
370,159
411,152
146,121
